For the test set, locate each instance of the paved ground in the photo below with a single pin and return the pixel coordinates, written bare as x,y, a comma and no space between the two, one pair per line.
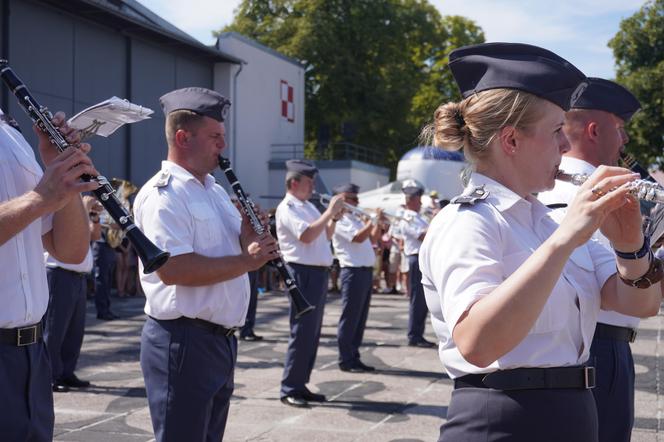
405,400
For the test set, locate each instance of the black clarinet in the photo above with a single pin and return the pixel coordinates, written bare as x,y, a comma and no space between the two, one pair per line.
150,255
300,303
631,163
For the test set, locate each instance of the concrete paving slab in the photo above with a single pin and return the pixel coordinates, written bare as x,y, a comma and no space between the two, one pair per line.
406,399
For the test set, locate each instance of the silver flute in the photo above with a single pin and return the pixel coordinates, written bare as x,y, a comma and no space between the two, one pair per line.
642,189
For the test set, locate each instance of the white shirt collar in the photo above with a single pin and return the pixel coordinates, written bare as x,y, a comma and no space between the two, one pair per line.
184,175
575,165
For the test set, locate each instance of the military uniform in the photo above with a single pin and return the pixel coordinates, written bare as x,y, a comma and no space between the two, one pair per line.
25,372
356,261
309,264
188,347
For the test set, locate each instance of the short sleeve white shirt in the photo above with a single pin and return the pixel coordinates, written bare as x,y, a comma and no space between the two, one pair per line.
411,229
349,253
293,217
565,192
470,250
181,215
23,286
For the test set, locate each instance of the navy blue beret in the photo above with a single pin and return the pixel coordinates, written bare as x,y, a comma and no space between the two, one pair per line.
516,66
608,96
301,167
196,99
346,188
412,187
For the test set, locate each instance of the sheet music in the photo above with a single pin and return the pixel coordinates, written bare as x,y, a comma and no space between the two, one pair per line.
108,116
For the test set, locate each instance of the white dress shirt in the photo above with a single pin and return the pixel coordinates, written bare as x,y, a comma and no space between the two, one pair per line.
83,267
23,286
349,253
564,193
293,217
470,250
181,215
411,229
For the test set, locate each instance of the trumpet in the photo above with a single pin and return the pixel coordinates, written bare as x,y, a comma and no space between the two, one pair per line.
642,189
391,219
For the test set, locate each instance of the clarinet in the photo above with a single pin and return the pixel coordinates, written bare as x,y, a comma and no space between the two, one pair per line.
150,255
300,303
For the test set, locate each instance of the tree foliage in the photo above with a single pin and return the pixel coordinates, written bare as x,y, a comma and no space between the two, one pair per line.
638,48
379,65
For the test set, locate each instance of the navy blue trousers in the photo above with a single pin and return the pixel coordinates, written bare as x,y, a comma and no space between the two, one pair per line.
614,390
188,374
356,285
486,415
104,264
250,320
25,391
65,320
417,311
304,331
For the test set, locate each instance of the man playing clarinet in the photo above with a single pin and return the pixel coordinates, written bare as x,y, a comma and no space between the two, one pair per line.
199,298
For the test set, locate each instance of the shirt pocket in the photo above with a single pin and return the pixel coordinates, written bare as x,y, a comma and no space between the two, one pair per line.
553,316
207,230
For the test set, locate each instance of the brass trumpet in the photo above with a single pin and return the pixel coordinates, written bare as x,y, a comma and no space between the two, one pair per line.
391,219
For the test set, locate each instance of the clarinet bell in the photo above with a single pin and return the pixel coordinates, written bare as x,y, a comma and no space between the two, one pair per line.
150,255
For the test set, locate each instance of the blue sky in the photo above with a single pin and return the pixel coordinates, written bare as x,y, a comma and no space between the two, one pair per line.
577,30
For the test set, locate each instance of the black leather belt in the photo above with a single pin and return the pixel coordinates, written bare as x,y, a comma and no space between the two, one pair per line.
21,336
623,334
309,266
207,325
531,379
73,272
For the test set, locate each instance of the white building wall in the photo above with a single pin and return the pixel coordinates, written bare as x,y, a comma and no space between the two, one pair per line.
256,94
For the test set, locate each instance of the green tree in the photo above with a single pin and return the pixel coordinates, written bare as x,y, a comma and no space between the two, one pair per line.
379,65
638,48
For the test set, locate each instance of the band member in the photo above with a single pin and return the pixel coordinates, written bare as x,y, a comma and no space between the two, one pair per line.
595,128
197,300
65,320
304,238
38,211
352,241
247,330
413,229
514,296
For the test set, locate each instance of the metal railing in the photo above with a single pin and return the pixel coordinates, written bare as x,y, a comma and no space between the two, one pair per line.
333,151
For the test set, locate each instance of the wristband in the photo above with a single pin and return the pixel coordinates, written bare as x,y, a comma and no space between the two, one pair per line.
652,276
643,251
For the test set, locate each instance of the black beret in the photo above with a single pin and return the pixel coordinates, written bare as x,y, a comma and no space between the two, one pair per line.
608,96
516,66
301,167
346,188
196,99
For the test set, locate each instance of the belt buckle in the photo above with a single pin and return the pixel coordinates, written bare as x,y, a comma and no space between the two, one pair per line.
31,339
230,332
588,377
632,335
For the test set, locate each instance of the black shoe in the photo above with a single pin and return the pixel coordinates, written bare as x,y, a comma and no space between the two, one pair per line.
59,387
251,337
352,368
312,397
294,401
422,343
108,316
74,382
364,367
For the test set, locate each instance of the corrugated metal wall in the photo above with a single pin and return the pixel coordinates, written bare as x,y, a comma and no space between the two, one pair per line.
69,63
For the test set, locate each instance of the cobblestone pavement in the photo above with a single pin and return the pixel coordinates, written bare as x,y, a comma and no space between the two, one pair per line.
405,400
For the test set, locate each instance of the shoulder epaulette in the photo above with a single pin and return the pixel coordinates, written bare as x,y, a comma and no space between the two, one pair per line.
470,198
164,179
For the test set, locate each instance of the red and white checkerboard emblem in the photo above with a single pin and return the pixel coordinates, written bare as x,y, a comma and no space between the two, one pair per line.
287,106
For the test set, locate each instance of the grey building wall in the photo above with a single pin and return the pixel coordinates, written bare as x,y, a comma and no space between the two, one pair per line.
70,63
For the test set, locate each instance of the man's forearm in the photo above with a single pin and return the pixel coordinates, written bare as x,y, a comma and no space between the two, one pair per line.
195,270
18,213
71,232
